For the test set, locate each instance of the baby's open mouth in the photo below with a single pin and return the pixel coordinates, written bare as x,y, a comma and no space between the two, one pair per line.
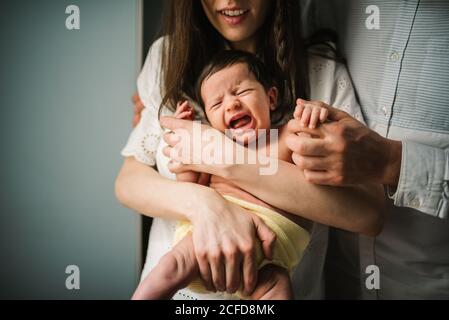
241,121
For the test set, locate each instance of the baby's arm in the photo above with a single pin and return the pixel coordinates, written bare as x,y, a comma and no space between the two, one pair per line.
185,111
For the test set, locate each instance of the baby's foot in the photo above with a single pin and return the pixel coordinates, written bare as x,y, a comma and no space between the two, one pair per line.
273,284
175,271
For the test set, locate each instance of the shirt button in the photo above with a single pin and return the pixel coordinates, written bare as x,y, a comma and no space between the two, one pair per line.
384,110
415,203
394,56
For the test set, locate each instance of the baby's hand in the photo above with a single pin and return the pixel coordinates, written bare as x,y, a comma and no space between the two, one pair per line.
309,114
184,111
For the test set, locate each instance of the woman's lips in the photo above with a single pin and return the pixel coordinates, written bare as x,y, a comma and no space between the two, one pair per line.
234,17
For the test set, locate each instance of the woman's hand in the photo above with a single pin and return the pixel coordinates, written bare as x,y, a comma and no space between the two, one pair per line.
138,108
197,147
224,234
224,237
185,112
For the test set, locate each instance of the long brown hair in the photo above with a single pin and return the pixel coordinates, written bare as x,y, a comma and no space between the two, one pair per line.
191,41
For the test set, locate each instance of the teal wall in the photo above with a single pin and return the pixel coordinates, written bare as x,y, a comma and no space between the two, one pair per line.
65,114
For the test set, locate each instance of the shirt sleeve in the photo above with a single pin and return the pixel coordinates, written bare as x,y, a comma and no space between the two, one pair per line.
145,138
424,180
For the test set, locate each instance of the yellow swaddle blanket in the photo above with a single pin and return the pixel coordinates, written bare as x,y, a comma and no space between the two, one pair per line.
291,239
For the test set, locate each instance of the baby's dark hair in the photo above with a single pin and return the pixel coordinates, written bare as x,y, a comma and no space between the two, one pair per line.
228,58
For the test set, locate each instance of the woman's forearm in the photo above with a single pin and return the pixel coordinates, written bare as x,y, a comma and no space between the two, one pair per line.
223,233
357,209
144,190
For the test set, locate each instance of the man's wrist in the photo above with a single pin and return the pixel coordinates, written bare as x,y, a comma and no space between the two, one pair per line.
392,168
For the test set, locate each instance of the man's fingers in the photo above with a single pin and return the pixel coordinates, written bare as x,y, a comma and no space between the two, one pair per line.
136,120
311,163
319,177
138,107
297,126
135,98
306,146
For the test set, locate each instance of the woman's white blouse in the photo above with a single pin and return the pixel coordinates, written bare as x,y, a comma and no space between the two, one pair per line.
329,82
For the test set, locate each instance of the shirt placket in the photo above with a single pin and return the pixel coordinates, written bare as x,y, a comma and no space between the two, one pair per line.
395,55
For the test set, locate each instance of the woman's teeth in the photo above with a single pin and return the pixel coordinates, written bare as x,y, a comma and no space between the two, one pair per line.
233,13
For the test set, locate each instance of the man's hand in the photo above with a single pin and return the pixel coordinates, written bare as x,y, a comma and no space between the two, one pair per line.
343,151
138,108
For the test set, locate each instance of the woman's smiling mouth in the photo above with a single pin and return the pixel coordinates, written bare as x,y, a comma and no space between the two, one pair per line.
233,16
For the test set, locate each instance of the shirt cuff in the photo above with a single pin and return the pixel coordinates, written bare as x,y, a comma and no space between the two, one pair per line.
423,181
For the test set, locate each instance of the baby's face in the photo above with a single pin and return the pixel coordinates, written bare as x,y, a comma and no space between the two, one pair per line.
235,100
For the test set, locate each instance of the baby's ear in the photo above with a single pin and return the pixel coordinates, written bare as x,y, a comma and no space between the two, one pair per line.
273,98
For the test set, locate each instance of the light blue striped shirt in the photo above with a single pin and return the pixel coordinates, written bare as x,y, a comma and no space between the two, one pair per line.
401,75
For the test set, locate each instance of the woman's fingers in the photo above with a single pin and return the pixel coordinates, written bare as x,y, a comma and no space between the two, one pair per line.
217,270
205,271
171,138
266,236
249,272
166,151
176,167
233,268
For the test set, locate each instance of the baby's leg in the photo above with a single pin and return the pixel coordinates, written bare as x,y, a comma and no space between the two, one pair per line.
273,284
174,271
